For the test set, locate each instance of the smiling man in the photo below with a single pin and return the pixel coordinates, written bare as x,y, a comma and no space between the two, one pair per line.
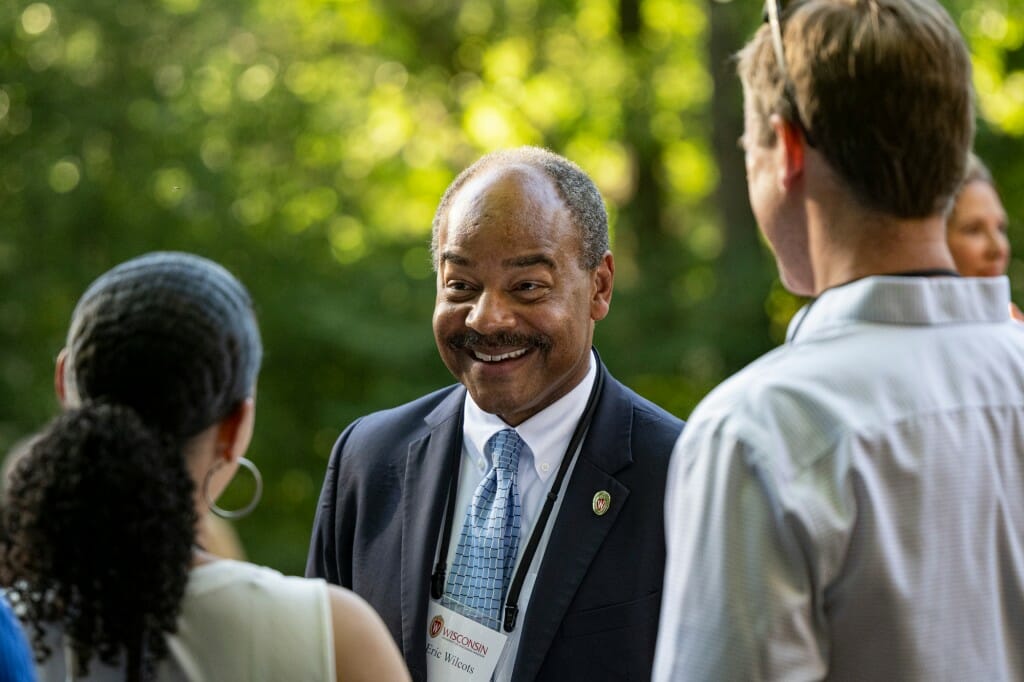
510,526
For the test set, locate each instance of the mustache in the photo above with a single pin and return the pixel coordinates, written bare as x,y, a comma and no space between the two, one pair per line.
501,339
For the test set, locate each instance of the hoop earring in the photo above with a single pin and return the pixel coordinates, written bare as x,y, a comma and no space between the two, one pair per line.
247,509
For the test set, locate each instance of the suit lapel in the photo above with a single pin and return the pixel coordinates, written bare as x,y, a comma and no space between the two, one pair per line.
578,532
428,472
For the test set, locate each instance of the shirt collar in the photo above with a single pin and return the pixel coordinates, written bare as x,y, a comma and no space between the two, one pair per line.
546,434
906,301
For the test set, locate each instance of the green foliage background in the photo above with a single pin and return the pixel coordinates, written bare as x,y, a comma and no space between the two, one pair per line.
305,144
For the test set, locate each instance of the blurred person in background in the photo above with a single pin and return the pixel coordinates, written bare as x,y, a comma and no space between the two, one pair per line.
100,553
976,227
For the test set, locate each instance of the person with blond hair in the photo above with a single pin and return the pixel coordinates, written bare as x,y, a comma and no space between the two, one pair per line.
976,227
848,507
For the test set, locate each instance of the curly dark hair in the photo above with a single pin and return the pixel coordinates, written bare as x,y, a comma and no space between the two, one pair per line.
100,518
99,521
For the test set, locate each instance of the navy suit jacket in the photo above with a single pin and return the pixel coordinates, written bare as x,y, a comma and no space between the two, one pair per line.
595,604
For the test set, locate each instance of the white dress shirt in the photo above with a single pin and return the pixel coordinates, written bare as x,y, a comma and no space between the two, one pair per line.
547,435
851,505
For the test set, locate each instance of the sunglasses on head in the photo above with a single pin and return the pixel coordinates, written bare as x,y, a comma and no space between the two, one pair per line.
773,17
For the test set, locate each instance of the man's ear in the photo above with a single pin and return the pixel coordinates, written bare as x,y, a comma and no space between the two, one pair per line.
58,376
234,433
602,279
791,149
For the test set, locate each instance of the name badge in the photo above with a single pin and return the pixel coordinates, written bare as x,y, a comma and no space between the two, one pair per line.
459,648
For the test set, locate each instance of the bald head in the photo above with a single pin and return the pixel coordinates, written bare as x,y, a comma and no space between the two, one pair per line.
536,171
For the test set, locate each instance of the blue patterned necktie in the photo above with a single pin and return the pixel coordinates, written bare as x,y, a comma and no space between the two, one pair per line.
486,554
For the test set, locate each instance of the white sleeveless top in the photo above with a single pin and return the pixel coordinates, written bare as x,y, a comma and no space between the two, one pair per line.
238,622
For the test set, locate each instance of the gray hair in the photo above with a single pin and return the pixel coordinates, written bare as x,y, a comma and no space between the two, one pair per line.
575,187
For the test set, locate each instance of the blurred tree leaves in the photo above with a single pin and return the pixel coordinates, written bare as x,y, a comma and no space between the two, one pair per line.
305,144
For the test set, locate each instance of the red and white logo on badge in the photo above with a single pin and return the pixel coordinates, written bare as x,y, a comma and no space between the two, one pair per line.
436,626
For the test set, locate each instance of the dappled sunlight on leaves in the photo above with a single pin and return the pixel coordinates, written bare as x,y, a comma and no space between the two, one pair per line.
998,34
255,82
690,168
64,175
346,238
171,186
37,18
675,21
180,6
306,143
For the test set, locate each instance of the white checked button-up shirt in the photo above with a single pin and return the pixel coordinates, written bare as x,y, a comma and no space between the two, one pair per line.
851,505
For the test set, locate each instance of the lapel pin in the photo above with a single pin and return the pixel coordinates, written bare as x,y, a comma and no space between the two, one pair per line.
602,501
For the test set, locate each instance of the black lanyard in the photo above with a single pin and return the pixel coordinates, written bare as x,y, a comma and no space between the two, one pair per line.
437,578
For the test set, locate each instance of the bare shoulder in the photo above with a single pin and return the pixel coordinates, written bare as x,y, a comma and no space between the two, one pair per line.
363,646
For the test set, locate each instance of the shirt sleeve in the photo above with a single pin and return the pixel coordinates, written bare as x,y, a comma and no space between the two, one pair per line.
739,596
